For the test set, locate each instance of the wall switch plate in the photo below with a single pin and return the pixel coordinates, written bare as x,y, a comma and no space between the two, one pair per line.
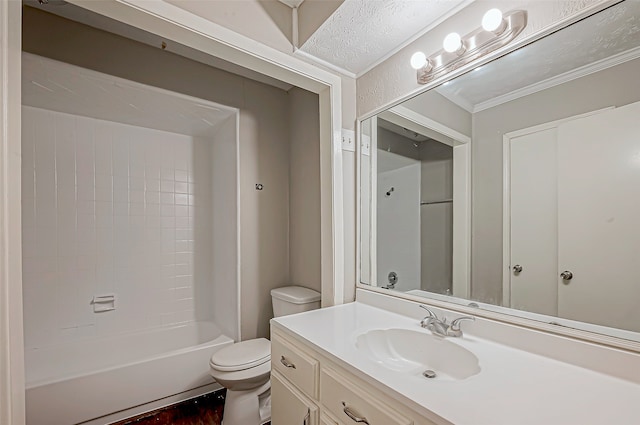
348,140
365,145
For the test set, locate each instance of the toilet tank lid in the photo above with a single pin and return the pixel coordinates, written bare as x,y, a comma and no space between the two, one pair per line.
296,294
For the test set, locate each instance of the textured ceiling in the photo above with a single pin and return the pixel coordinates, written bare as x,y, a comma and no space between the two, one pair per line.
362,32
70,89
609,33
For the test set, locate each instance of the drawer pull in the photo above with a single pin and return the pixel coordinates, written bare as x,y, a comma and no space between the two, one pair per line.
353,415
287,363
307,417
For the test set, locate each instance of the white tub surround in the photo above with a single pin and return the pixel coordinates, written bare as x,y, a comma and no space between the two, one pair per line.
131,233
118,195
513,385
80,381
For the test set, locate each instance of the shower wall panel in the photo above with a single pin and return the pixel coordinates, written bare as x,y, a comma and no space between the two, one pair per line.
112,209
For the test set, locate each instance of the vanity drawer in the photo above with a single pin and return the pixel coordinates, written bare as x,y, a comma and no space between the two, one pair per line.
326,420
352,405
299,368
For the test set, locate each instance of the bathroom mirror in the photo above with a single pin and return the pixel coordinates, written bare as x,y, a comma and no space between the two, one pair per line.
516,186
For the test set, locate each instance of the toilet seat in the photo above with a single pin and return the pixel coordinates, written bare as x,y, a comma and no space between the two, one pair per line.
242,355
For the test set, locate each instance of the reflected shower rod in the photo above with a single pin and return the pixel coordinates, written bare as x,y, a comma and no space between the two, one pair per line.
446,201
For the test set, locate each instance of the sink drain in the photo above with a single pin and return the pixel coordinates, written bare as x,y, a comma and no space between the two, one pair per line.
429,374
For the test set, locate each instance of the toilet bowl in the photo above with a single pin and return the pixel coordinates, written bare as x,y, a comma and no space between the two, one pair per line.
244,368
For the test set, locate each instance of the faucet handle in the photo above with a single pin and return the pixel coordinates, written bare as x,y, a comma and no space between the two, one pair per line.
429,319
455,325
431,313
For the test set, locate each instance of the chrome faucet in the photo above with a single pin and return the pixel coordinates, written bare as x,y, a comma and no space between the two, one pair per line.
440,327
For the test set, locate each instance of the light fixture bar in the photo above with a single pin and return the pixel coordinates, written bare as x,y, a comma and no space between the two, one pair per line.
476,44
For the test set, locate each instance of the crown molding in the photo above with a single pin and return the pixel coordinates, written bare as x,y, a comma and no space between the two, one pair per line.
302,54
583,71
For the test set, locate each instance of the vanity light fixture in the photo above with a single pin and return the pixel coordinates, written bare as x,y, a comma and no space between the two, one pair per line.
493,21
418,60
497,30
453,44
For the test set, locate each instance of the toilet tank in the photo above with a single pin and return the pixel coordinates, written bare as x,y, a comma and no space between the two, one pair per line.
294,299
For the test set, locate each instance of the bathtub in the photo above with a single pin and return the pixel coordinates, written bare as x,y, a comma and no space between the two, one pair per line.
81,381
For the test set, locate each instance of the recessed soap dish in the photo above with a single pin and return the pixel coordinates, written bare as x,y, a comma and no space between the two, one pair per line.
102,303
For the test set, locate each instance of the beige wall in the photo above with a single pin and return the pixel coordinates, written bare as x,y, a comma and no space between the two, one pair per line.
270,22
436,220
312,14
585,94
348,102
68,41
264,215
304,189
435,106
264,146
267,21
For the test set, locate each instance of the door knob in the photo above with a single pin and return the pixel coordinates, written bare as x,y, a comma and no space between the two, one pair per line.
517,268
566,275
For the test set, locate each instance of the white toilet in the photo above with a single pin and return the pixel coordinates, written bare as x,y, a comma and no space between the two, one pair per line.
244,368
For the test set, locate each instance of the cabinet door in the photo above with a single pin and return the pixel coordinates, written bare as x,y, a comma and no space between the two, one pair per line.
289,406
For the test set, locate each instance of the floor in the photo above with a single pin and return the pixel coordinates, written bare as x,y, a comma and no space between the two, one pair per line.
204,410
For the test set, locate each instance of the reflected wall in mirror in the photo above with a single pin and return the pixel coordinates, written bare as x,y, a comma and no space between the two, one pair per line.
517,185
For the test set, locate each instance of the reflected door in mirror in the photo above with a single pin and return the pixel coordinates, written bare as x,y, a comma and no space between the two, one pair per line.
598,218
566,177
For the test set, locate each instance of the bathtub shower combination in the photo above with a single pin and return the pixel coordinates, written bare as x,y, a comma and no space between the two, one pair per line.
121,237
111,374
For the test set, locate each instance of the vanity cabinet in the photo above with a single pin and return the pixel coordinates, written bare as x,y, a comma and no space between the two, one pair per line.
350,402
325,420
309,388
292,406
297,367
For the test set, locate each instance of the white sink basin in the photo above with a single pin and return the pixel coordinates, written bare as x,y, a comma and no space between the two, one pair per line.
414,352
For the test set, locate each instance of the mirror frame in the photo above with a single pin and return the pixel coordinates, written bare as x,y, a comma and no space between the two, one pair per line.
504,315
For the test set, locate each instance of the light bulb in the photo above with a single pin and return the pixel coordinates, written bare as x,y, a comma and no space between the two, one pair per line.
418,60
452,42
492,20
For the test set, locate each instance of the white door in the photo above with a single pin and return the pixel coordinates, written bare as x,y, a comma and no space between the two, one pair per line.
599,218
534,232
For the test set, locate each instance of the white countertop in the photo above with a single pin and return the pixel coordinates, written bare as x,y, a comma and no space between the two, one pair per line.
513,386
